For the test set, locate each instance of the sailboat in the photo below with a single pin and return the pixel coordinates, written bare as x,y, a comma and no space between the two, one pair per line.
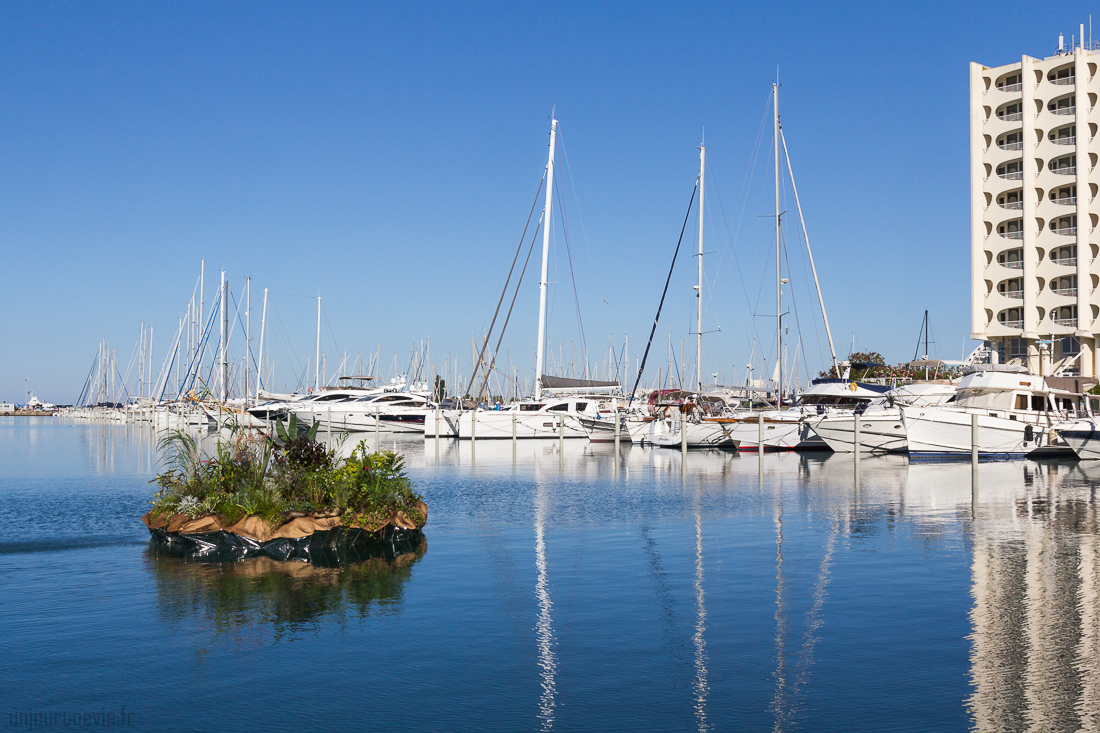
785,427
544,416
680,422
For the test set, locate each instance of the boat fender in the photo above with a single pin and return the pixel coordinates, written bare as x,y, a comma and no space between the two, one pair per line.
1029,434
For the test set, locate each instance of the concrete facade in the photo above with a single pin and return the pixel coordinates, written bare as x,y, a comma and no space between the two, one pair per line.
1034,265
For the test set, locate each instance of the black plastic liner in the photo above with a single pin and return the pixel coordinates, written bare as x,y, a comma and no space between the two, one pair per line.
326,548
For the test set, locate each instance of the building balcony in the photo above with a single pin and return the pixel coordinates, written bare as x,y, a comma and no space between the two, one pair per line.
1011,324
1064,110
1067,322
1015,205
1015,294
1010,117
1069,170
1064,140
1012,235
1064,81
1068,292
1015,265
1065,231
1010,87
1011,146
1065,201
1012,175
1067,261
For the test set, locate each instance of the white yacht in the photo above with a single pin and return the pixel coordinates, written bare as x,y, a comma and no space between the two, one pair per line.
1015,413
394,412
880,425
550,417
789,429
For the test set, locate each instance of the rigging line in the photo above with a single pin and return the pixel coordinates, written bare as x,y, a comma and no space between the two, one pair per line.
584,233
660,305
508,317
504,290
569,254
294,295
743,197
806,273
718,283
806,236
794,300
285,337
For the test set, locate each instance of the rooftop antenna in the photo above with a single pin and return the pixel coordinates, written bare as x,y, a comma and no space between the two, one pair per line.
1061,43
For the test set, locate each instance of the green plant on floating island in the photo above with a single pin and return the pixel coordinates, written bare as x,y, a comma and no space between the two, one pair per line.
282,477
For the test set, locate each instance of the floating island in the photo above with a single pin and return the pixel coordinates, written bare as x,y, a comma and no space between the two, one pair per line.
285,496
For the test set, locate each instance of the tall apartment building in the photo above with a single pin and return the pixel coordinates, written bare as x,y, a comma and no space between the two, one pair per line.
1035,270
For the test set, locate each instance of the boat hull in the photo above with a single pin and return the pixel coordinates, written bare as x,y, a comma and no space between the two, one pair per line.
1083,438
699,435
947,432
877,433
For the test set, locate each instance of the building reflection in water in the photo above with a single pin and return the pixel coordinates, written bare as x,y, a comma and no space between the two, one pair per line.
1035,655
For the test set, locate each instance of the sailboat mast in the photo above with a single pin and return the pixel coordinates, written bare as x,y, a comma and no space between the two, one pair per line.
699,286
545,258
225,339
260,354
247,333
778,258
317,358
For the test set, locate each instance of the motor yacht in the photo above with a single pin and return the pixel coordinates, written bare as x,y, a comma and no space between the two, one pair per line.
1002,408
881,428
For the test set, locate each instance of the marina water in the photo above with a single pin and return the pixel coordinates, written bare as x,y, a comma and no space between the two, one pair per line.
562,588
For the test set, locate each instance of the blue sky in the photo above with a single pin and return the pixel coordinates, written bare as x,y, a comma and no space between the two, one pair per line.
386,156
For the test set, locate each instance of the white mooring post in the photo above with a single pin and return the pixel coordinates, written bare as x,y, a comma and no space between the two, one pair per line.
514,437
377,437
683,436
974,438
328,427
855,435
760,432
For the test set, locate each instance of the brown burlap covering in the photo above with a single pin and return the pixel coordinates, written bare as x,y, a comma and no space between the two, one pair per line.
257,529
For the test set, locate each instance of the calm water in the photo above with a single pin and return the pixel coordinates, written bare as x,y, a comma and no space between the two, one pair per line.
567,592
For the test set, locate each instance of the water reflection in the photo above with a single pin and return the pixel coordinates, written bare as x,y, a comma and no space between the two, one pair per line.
544,629
258,595
1035,655
700,686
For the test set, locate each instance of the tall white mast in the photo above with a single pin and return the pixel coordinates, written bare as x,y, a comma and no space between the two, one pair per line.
260,355
317,359
225,339
247,333
202,300
778,257
699,287
545,258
